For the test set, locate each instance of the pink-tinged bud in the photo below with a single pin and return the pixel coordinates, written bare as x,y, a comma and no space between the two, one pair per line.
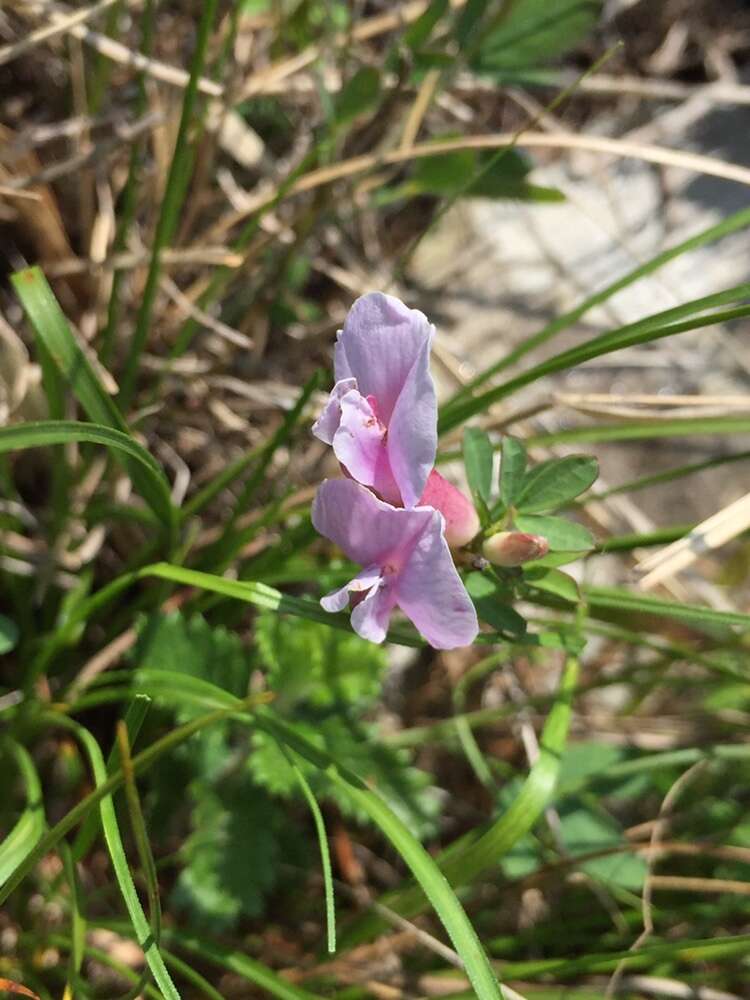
461,521
513,548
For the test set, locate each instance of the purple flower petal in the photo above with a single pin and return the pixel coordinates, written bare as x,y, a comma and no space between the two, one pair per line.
337,600
430,592
412,431
368,530
371,617
380,341
327,423
359,444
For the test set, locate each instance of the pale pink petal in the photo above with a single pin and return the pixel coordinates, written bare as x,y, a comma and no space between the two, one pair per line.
412,431
359,444
337,600
379,344
327,423
370,618
370,531
430,592
461,520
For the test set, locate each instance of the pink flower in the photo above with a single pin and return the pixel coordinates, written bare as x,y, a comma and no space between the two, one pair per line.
381,417
407,564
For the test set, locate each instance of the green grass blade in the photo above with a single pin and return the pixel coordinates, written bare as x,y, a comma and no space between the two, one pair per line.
263,596
637,431
325,857
141,762
668,476
78,921
614,599
681,319
727,226
175,190
431,880
144,933
148,479
473,854
29,827
240,964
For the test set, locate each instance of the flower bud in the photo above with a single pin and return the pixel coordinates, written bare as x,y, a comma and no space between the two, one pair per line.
461,521
513,548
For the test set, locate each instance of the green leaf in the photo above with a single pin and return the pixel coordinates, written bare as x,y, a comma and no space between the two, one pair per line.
171,642
475,173
556,482
512,467
419,32
8,635
231,860
310,664
584,831
478,459
552,581
29,827
532,34
360,93
150,482
409,792
493,605
562,535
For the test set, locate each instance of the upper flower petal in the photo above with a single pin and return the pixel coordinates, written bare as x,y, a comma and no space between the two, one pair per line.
359,444
380,341
412,431
385,346
328,422
430,592
369,531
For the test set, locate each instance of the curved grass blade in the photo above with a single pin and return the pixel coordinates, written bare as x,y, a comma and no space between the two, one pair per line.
668,323
146,935
29,828
141,762
325,857
78,924
151,482
240,964
727,226
468,857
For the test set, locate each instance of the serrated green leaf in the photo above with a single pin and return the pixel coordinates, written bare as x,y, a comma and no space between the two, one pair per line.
359,94
553,581
478,459
493,605
309,662
556,482
512,467
407,790
562,535
231,859
171,642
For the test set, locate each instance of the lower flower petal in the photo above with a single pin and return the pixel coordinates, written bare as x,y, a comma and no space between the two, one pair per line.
337,600
371,617
430,592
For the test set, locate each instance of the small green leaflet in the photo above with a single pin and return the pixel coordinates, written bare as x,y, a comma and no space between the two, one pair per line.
478,459
562,535
512,466
552,484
